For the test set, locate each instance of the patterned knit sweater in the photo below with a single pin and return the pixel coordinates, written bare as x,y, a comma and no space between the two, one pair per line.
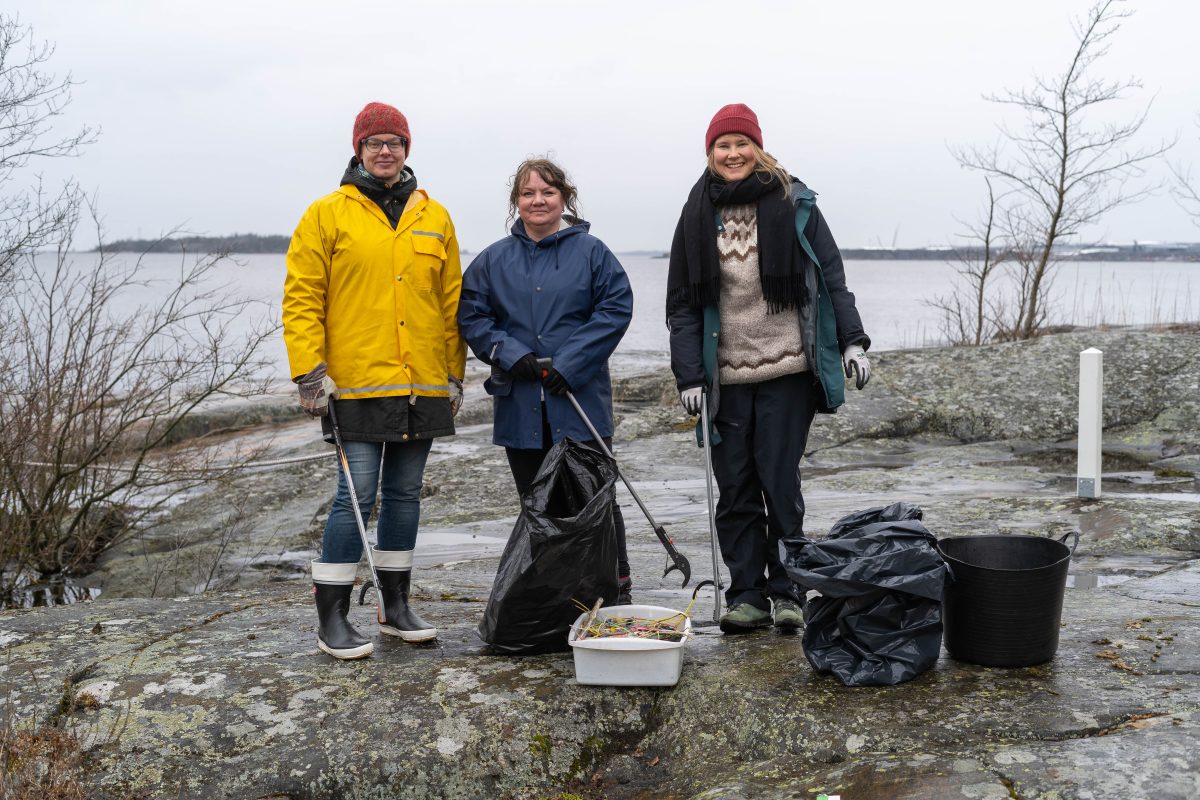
754,346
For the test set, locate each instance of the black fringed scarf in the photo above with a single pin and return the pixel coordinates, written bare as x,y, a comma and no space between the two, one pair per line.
391,198
694,273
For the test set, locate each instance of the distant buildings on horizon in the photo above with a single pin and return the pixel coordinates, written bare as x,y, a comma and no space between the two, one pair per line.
252,243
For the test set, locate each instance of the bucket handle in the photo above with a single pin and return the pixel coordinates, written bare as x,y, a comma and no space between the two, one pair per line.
1074,544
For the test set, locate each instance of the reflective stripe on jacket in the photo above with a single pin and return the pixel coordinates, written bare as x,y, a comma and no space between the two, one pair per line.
378,305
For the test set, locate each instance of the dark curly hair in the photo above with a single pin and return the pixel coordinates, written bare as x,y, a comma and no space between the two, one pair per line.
552,174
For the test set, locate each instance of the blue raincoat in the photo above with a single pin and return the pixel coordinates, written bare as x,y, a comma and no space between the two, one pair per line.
566,297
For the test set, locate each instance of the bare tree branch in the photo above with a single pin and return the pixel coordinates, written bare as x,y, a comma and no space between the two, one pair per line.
98,386
966,317
1186,190
1062,171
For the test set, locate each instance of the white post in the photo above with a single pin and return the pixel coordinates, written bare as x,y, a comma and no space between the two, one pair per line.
1091,421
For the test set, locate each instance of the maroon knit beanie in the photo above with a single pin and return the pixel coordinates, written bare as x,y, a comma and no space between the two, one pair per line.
733,118
380,118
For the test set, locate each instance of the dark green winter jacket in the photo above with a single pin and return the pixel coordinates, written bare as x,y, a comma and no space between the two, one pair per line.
829,320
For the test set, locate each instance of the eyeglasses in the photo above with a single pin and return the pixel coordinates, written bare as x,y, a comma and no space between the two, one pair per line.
393,145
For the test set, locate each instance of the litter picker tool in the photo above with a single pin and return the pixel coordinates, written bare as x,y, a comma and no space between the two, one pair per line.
362,528
678,561
712,513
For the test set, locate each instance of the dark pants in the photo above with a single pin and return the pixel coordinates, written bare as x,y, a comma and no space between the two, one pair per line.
764,430
525,465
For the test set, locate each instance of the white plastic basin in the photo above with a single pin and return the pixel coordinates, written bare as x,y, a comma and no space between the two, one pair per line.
629,660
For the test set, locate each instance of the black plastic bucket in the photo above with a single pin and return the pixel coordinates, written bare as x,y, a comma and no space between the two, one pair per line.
1003,605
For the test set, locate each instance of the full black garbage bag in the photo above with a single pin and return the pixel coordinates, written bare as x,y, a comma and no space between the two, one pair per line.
563,548
878,620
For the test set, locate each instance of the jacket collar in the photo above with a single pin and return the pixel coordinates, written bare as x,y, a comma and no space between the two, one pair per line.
416,201
571,226
801,192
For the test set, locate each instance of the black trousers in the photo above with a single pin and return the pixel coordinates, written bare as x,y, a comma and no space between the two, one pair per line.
525,463
764,430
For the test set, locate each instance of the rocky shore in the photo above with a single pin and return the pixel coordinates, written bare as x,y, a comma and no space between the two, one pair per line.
223,693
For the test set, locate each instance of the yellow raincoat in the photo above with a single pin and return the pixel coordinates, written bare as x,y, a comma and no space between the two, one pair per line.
377,305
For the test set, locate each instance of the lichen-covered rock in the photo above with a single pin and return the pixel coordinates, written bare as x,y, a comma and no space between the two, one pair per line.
224,694
227,696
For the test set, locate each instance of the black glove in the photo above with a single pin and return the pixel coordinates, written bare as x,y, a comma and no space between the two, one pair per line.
555,383
526,368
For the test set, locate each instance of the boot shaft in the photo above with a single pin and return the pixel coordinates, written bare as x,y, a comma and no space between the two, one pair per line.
332,586
394,570
394,586
333,600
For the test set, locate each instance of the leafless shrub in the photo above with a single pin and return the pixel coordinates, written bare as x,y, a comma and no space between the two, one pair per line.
199,560
1186,189
1061,170
96,386
969,313
31,100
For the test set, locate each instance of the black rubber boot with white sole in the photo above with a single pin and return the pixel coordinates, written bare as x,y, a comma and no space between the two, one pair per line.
394,568
333,585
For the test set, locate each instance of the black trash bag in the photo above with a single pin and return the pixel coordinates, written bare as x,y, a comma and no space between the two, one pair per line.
563,548
878,621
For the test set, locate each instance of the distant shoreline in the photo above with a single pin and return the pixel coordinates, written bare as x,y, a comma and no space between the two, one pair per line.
250,244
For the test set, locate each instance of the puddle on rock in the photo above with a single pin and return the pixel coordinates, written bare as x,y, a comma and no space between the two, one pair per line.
1175,497
484,540
1082,580
32,591
1120,474
1066,459
1099,571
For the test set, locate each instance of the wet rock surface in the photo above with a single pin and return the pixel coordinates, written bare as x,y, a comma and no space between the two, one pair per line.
224,694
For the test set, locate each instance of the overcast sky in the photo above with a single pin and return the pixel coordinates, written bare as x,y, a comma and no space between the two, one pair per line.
227,117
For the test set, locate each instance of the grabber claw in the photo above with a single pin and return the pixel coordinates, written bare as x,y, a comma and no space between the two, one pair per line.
675,559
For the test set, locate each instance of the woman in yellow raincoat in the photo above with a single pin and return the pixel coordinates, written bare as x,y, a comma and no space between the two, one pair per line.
369,315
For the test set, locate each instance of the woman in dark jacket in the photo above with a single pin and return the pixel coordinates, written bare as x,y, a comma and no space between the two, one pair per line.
761,321
550,290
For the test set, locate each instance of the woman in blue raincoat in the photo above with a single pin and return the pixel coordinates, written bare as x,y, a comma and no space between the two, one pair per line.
549,290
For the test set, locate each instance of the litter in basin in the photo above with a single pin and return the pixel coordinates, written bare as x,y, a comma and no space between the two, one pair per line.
632,645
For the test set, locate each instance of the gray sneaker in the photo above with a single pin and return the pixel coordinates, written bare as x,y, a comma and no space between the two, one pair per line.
744,617
788,614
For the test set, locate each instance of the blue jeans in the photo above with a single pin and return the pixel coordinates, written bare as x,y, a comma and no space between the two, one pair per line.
396,468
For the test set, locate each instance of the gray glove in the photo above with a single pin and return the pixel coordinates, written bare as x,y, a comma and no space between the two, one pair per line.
854,359
315,389
691,399
456,395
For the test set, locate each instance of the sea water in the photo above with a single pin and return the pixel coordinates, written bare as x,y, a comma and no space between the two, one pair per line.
893,297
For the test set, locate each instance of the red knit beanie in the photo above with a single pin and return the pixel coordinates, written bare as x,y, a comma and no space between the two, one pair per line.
380,118
733,118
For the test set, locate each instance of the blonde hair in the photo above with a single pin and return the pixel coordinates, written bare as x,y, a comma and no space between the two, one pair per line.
765,166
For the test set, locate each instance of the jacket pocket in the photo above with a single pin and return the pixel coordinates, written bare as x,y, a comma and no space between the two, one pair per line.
428,244
499,384
428,256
